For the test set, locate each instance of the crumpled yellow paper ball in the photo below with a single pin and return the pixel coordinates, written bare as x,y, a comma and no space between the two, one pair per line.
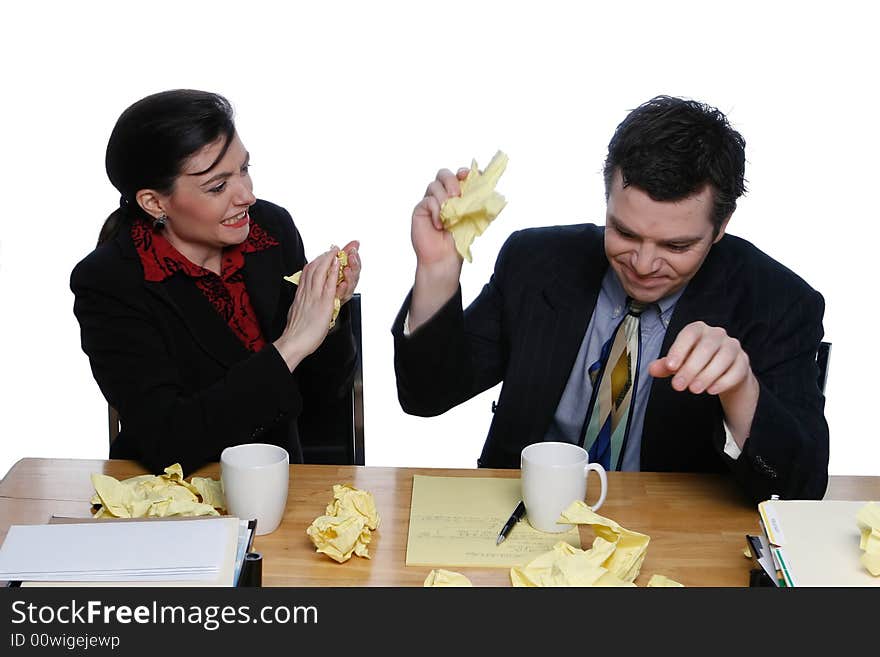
342,261
467,216
629,547
868,519
446,578
566,565
348,500
157,496
345,529
662,581
614,560
340,536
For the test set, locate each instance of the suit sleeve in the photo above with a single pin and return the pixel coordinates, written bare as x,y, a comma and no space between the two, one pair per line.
457,354
787,450
141,377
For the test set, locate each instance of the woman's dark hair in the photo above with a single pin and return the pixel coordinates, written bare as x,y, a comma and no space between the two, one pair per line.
671,148
152,141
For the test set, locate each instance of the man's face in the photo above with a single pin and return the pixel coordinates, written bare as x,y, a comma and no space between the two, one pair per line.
656,247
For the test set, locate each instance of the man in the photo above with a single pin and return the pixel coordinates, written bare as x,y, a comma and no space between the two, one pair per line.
720,373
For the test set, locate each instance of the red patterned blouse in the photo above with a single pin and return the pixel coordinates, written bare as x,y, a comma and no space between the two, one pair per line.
226,292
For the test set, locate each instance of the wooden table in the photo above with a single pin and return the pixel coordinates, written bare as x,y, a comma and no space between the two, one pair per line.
697,523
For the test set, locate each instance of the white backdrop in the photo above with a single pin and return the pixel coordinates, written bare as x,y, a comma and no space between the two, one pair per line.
349,108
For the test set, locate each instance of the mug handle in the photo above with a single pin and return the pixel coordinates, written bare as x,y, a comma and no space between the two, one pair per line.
603,479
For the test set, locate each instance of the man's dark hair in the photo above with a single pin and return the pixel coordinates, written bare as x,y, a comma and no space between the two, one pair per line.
671,148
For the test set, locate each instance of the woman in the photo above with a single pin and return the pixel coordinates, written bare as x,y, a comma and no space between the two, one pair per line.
192,332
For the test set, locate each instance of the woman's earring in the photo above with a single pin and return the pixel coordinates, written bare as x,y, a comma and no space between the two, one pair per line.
160,221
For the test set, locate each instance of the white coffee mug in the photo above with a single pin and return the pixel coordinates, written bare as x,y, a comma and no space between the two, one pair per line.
255,477
553,476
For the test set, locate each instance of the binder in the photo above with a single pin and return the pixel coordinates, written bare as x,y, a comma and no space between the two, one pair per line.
815,543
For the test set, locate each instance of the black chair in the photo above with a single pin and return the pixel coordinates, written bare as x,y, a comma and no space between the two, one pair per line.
339,442
113,417
823,355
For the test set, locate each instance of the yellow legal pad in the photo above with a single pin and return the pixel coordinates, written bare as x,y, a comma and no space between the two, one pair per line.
454,522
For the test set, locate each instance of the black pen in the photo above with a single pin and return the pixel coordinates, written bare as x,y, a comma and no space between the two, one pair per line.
515,517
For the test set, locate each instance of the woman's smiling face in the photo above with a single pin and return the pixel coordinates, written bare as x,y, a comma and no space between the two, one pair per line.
207,207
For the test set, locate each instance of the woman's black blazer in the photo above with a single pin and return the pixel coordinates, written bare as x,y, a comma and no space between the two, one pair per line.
184,385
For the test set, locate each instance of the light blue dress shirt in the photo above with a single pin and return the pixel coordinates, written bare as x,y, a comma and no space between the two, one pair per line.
569,418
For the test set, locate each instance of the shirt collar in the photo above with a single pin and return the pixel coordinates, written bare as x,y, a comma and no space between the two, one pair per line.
663,308
161,260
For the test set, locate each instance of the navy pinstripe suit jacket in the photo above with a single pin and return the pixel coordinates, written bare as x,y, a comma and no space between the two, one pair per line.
528,322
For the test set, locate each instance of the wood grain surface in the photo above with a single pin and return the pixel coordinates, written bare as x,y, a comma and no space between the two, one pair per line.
697,523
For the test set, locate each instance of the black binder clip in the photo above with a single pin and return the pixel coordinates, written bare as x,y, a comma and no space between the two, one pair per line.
757,577
251,570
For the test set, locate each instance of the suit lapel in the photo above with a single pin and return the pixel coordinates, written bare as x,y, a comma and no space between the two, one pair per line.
204,323
263,272
570,295
704,299
182,296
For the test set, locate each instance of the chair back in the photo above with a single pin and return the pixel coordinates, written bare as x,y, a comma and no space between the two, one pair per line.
339,438
113,418
823,355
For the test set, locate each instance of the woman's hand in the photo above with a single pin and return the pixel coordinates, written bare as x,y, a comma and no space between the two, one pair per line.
352,272
308,319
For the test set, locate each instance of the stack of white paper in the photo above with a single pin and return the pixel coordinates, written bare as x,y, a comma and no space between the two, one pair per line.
815,543
98,551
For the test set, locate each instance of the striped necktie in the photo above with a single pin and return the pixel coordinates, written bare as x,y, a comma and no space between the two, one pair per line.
614,378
